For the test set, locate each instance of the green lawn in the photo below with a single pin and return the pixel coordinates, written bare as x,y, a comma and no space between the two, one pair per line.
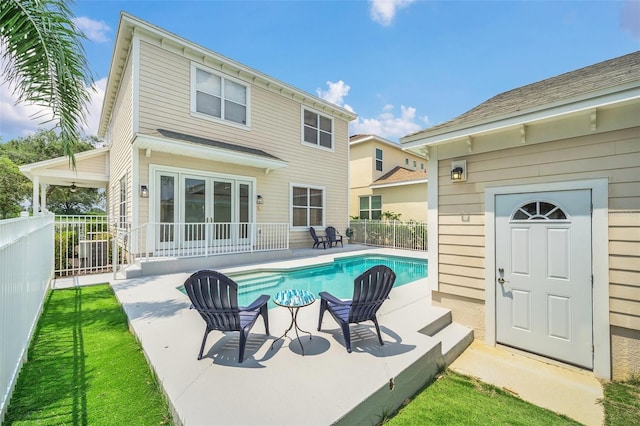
85,367
454,399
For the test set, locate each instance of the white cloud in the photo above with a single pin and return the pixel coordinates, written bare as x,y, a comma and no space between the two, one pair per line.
336,93
383,11
24,119
94,30
387,125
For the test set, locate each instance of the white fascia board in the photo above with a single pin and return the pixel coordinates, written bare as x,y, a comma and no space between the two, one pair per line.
206,152
28,168
500,123
389,185
374,138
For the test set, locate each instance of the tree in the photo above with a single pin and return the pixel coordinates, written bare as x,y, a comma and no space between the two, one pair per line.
43,58
13,186
44,145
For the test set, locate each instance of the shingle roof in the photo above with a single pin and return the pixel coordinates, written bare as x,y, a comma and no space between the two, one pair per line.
610,73
400,175
216,144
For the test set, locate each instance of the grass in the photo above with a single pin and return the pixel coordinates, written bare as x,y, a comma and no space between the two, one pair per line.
456,399
622,402
85,367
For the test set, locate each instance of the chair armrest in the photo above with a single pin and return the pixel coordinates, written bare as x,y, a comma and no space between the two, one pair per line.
331,298
256,304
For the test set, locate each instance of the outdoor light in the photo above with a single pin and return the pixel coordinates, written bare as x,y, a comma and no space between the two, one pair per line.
456,174
260,200
73,187
144,191
459,171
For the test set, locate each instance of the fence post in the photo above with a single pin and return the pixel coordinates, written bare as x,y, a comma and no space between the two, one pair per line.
394,234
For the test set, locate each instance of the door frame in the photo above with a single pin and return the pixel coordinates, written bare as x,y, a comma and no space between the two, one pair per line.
600,254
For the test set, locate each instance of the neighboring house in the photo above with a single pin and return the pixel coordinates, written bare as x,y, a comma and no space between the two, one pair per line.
225,151
384,178
535,196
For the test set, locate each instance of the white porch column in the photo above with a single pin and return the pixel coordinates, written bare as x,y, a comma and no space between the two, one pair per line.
35,199
43,198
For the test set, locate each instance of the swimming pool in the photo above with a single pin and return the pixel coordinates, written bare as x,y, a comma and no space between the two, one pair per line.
336,277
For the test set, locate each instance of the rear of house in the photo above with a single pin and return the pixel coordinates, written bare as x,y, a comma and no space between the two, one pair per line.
538,229
199,140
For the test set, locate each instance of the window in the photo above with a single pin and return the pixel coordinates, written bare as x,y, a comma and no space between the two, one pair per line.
219,97
122,205
421,166
414,163
307,205
378,159
406,161
317,129
371,207
539,210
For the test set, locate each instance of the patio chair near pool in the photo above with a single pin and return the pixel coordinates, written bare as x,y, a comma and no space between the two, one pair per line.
370,290
215,297
333,237
317,239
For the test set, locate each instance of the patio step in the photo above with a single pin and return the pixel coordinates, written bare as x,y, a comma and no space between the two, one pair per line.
454,338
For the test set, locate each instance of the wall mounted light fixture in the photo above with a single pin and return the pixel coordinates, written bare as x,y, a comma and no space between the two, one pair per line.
73,187
259,200
459,171
144,191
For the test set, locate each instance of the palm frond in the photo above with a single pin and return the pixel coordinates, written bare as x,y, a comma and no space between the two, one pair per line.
44,60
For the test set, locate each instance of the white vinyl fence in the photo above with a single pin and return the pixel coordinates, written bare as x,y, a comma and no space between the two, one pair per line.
389,233
26,266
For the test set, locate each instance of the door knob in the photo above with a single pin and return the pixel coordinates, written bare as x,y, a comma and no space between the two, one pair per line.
501,280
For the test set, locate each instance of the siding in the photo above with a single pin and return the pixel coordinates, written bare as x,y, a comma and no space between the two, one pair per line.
164,99
613,154
121,136
409,201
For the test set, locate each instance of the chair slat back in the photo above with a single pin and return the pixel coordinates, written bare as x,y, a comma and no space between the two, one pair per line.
312,231
370,289
331,233
215,297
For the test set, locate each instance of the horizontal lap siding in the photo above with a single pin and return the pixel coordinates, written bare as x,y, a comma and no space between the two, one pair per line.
120,162
275,128
615,155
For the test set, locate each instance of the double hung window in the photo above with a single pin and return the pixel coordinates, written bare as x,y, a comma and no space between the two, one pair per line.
371,207
122,204
317,129
219,97
307,205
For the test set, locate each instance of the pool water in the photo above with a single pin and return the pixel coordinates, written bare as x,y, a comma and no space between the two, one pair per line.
335,278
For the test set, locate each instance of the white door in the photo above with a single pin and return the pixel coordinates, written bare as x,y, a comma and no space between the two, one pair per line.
543,274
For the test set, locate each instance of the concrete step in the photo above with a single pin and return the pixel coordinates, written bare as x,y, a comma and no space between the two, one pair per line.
455,338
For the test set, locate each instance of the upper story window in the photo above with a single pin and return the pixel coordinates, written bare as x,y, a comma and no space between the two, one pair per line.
415,163
219,97
378,159
421,166
406,161
317,129
307,205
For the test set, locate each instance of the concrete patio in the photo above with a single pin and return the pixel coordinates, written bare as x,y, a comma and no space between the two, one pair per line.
280,386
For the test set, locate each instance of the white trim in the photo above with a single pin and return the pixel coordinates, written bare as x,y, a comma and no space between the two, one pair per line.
493,124
405,183
433,221
206,152
135,93
600,254
135,190
373,138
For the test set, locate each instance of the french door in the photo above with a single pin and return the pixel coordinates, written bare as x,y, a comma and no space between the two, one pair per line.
202,211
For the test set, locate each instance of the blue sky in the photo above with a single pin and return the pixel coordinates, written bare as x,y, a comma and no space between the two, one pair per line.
401,65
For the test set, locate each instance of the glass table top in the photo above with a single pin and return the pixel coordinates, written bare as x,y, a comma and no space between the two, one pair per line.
293,298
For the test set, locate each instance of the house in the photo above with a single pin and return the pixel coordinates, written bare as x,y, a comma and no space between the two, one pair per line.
209,156
535,196
384,178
